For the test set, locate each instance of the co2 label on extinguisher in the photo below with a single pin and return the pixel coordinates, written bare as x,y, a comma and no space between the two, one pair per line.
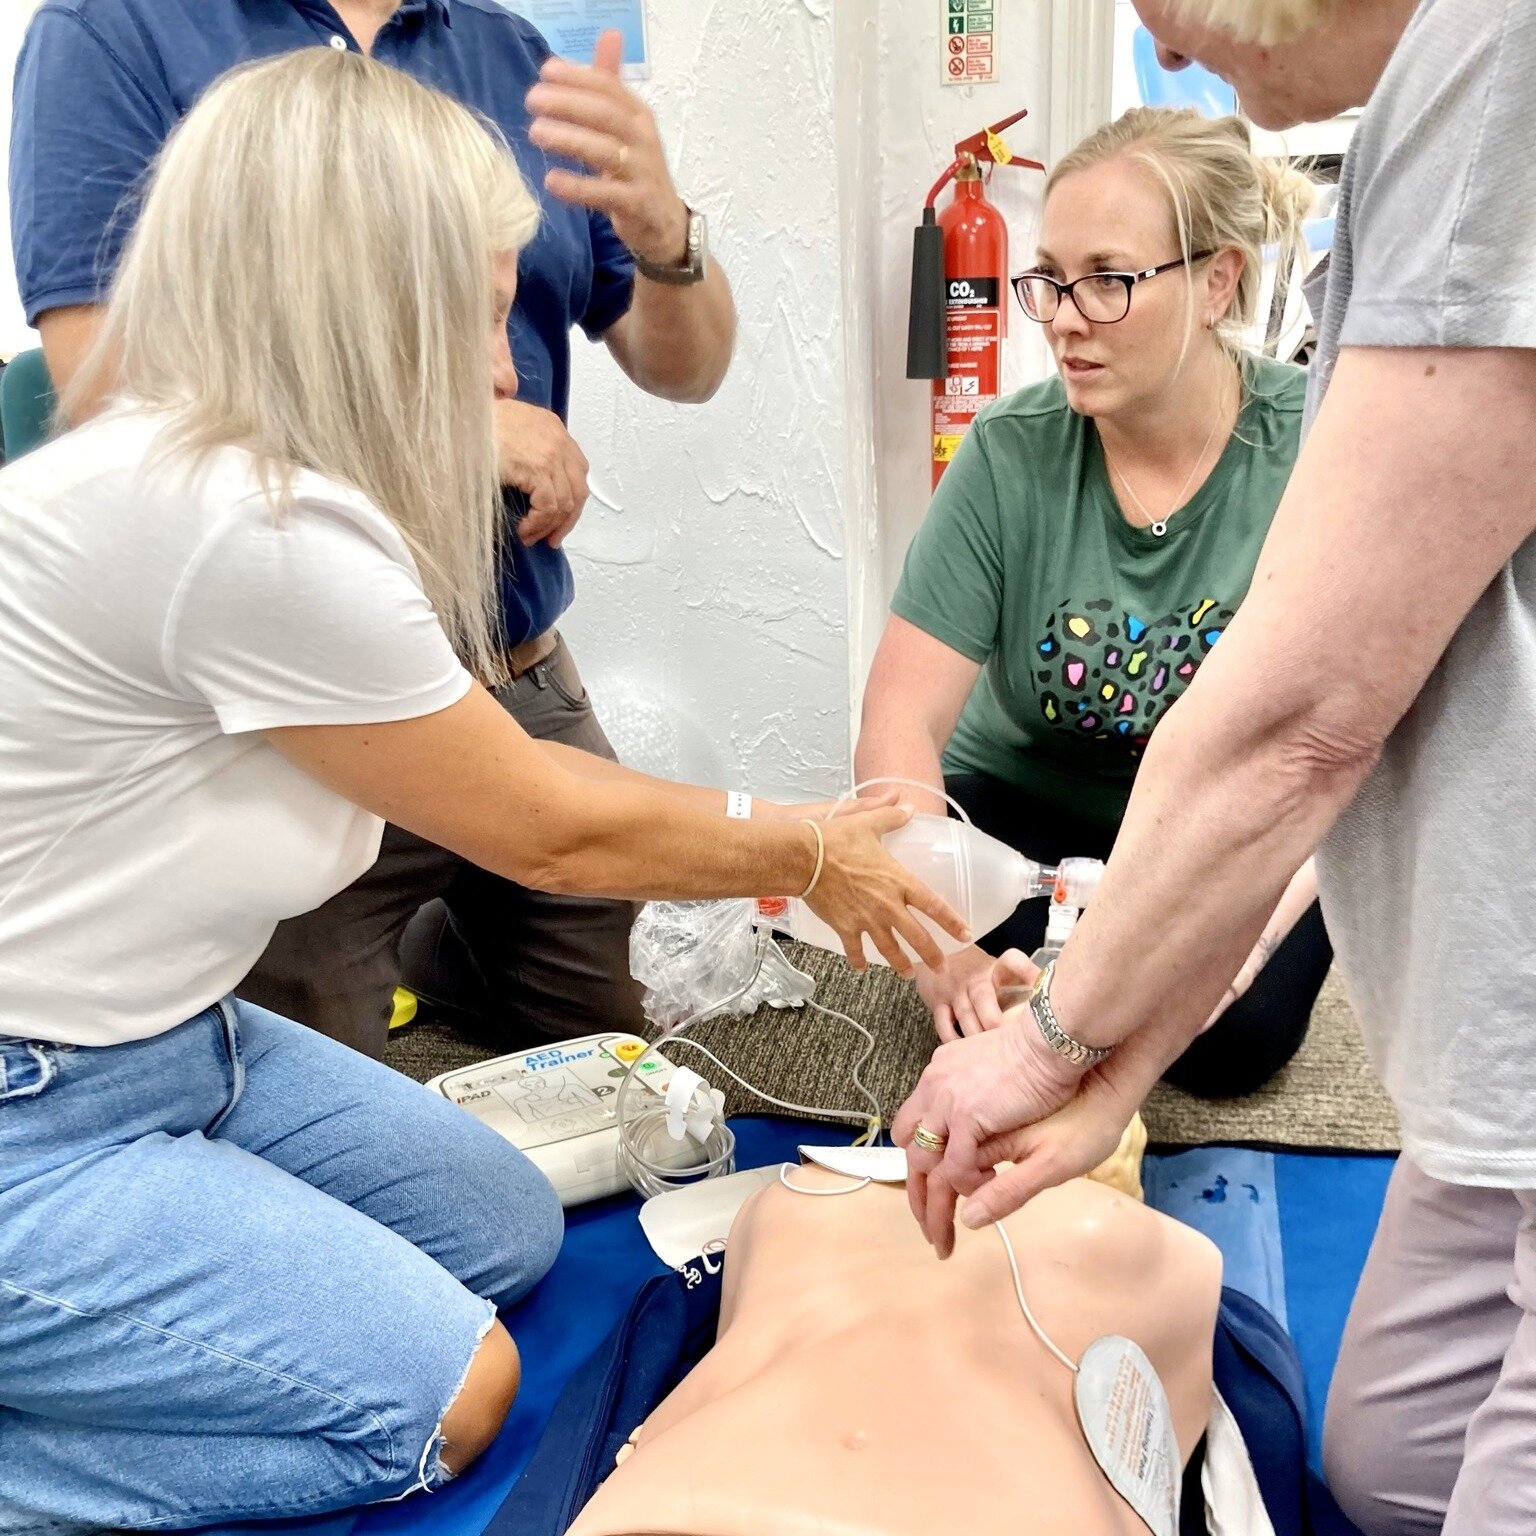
971,293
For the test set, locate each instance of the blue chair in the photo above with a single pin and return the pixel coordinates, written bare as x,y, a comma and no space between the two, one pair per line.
26,404
1194,86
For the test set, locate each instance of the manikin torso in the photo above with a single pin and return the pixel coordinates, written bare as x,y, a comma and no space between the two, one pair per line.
860,1387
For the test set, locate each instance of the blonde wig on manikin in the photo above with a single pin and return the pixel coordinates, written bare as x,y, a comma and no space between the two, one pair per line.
1261,21
310,279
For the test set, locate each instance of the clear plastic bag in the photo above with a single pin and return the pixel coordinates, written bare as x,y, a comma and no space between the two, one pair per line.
696,959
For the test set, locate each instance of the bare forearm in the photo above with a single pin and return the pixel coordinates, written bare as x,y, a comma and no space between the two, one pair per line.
1299,896
631,842
1210,843
597,828
677,341
68,336
917,688
1389,532
892,748
469,779
603,770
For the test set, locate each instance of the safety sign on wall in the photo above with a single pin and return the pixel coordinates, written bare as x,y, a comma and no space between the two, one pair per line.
572,27
970,41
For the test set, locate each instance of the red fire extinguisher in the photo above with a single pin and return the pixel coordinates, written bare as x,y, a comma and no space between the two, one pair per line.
959,313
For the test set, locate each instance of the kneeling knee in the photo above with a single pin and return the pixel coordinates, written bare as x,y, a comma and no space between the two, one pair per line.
475,1416
518,1222
531,1226
1363,1466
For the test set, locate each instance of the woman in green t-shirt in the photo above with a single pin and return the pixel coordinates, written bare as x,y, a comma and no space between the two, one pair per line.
1093,537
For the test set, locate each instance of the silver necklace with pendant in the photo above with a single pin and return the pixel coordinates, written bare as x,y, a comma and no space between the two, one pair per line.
1159,525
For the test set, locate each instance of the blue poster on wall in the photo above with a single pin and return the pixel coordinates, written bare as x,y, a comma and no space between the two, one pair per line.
572,28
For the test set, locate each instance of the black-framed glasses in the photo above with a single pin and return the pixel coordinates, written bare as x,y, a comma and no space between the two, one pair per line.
1104,298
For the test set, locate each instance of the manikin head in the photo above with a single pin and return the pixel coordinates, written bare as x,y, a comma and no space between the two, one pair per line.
1290,61
1158,187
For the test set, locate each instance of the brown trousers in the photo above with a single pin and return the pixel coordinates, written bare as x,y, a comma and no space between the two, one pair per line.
552,966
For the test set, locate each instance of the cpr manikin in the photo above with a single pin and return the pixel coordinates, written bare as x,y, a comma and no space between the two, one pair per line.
860,1386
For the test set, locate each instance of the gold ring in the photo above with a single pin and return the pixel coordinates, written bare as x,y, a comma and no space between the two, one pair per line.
925,1139
623,158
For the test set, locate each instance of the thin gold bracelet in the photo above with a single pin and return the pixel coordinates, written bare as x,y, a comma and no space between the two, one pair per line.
821,855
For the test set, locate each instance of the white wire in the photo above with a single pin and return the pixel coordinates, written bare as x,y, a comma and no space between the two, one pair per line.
649,1178
655,1178
800,1109
822,1194
639,1127
891,778
857,1070
1029,1317
1013,1262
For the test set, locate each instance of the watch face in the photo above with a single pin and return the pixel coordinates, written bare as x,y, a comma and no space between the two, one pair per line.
691,268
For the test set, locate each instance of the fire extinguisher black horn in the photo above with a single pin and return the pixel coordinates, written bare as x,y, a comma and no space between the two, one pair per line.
925,318
925,312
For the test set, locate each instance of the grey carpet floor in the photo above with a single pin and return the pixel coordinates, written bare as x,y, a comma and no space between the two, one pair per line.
1327,1098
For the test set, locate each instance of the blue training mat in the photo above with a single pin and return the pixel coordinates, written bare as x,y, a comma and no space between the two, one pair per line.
1328,1210
1300,1242
1229,1194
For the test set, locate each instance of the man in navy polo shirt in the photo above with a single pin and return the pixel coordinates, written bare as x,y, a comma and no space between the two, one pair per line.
99,86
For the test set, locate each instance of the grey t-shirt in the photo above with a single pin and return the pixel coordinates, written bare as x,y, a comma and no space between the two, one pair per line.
1429,878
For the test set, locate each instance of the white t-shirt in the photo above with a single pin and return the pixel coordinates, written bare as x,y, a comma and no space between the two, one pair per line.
152,625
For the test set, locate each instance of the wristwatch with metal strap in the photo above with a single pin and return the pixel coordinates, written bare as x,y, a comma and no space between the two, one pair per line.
1056,1037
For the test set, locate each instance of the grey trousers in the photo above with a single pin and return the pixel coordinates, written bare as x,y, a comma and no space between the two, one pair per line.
553,966
1431,1421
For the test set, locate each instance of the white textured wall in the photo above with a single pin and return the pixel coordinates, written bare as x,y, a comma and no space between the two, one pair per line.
721,586
744,582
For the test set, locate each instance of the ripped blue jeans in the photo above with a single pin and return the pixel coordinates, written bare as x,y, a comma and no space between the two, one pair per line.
243,1271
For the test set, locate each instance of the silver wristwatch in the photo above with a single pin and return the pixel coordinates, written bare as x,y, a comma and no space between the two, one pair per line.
694,263
1056,1037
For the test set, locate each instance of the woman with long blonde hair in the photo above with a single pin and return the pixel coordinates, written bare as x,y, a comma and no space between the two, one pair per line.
244,1271
1092,540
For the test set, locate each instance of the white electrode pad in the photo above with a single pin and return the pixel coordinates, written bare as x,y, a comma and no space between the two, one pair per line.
681,1224
556,1103
1128,1425
880,1165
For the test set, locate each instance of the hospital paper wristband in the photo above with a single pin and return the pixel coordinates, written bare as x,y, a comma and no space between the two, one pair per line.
1056,1037
738,805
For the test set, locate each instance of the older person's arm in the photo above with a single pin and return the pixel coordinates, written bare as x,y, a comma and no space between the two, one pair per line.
1413,491
1416,486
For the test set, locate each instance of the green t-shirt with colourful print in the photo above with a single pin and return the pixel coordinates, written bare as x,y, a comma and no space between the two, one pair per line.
1088,628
